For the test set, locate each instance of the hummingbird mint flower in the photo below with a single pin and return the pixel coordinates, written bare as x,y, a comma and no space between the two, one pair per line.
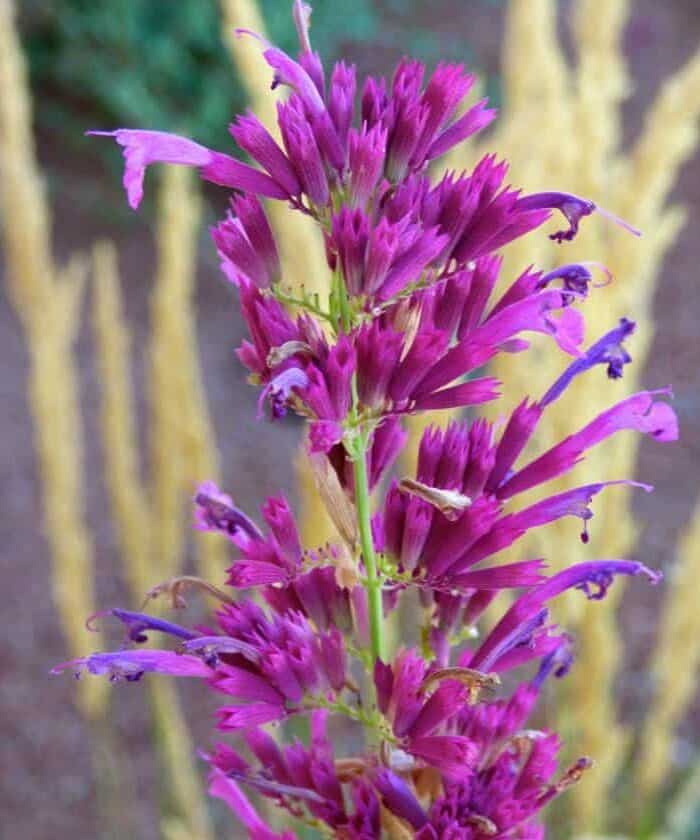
434,746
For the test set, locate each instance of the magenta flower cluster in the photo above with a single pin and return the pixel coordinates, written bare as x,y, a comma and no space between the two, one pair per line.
416,310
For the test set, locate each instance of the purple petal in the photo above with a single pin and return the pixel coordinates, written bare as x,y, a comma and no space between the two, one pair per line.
509,576
474,392
252,136
452,755
137,623
245,685
232,718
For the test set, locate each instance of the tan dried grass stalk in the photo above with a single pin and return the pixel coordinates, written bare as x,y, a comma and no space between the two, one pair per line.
47,301
675,665
119,439
151,527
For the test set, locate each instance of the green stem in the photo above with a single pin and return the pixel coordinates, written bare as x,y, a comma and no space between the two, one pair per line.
372,582
345,318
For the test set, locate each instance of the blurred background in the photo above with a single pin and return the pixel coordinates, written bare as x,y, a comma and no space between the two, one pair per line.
121,389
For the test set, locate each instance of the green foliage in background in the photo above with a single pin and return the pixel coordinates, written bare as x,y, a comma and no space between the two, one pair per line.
161,64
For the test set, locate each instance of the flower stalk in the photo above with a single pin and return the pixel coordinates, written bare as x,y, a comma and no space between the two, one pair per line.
372,580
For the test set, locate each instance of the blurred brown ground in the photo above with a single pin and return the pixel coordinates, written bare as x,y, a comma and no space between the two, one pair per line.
46,789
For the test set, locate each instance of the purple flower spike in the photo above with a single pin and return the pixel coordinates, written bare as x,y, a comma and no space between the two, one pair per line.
417,309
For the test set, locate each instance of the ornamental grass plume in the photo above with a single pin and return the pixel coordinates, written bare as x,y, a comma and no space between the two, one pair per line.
451,746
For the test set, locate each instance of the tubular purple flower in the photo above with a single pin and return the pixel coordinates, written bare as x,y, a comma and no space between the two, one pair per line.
410,265
510,528
474,392
598,573
576,277
246,245
366,151
303,151
350,233
448,85
142,148
131,665
374,102
333,152
291,73
475,119
384,241
341,99
572,208
640,413
252,136
399,798
534,313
